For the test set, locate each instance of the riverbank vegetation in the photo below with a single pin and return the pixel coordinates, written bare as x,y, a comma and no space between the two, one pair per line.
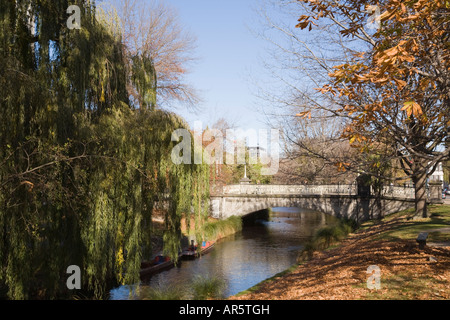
340,272
200,288
211,229
327,236
218,229
208,288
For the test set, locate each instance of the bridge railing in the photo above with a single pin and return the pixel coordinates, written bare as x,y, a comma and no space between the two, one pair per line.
333,189
350,189
398,192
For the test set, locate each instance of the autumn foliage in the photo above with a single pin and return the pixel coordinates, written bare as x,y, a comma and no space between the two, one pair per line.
396,92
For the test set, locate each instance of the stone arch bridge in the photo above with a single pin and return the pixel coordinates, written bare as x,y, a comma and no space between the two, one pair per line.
341,201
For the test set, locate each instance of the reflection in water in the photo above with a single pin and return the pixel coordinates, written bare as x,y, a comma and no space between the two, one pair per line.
260,251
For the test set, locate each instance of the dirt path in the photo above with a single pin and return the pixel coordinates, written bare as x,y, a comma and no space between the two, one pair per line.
341,273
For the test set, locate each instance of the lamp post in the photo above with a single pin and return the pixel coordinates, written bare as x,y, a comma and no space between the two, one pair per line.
245,180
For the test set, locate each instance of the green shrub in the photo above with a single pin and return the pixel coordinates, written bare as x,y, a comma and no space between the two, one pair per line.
208,288
326,236
167,292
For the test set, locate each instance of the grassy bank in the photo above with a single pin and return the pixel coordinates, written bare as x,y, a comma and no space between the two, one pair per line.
214,230
340,272
437,225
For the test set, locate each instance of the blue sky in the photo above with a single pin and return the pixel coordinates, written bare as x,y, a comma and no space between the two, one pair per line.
229,55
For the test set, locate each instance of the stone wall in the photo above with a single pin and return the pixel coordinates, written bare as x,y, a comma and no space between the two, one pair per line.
341,206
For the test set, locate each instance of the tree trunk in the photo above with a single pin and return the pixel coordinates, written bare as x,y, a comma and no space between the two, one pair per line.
420,194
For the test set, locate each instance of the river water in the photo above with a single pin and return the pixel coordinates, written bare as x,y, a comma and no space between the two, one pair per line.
258,252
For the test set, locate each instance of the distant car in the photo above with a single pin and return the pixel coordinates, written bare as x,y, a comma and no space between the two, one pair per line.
444,195
447,191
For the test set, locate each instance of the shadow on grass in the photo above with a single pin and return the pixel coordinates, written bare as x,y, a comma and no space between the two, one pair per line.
407,286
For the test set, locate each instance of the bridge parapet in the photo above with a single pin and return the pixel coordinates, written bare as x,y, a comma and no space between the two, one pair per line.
331,189
268,189
398,192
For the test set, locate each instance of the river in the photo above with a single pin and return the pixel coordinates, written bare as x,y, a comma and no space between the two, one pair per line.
258,252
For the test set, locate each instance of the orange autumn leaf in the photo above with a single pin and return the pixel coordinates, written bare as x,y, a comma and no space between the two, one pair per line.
341,166
400,83
412,108
304,114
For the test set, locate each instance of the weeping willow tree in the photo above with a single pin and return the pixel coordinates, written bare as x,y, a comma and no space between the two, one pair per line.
84,155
